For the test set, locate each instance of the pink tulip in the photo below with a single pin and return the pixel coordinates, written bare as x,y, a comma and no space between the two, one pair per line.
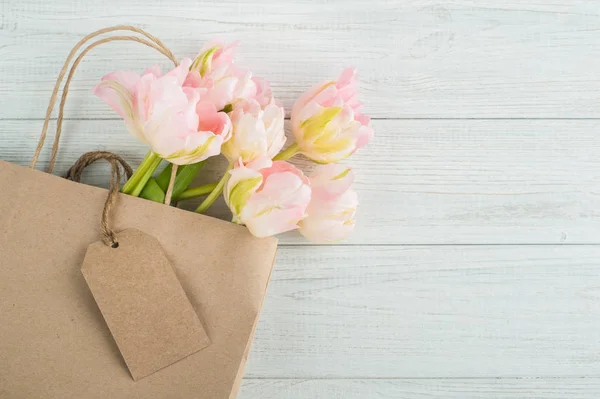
264,95
177,123
332,209
326,121
215,54
268,197
225,83
257,131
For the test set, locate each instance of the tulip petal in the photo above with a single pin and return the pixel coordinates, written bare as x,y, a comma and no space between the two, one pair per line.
264,94
181,71
326,230
237,177
315,125
330,219
116,96
274,222
326,123
330,181
348,77
213,121
260,163
241,192
196,154
127,79
121,101
154,70
365,134
202,63
278,207
222,92
268,197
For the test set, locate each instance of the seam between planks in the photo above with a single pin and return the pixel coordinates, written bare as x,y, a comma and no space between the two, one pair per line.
545,244
542,377
374,119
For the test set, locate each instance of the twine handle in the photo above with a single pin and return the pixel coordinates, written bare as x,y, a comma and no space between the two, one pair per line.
74,173
116,162
153,42
169,193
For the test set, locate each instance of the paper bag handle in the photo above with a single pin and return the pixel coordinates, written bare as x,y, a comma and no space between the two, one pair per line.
153,42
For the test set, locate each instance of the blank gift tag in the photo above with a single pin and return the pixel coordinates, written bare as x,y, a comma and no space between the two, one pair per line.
145,307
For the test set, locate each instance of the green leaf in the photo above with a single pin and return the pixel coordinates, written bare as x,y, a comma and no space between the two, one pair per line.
163,178
185,177
153,192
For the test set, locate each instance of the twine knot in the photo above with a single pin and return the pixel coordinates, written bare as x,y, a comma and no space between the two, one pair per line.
116,162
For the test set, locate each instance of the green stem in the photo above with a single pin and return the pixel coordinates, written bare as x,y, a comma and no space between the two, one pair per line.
184,179
153,192
287,153
185,176
215,193
195,192
142,174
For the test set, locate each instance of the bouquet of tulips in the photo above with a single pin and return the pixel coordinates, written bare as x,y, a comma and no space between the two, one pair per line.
210,106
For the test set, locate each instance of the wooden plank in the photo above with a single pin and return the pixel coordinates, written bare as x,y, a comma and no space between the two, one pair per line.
499,388
430,311
429,58
420,182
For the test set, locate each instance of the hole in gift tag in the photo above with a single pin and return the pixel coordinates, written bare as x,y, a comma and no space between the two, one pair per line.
115,245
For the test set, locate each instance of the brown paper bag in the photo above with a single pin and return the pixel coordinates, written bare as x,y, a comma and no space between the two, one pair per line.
54,342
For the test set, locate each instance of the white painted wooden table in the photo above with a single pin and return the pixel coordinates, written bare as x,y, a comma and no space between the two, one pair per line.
475,268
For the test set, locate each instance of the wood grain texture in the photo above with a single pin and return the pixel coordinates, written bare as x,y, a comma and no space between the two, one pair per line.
500,388
419,182
487,132
440,311
427,58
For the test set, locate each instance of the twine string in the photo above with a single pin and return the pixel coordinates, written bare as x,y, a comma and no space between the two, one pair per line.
74,173
116,162
65,92
169,193
153,42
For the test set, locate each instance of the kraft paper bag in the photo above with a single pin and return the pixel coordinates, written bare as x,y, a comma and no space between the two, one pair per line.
55,343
